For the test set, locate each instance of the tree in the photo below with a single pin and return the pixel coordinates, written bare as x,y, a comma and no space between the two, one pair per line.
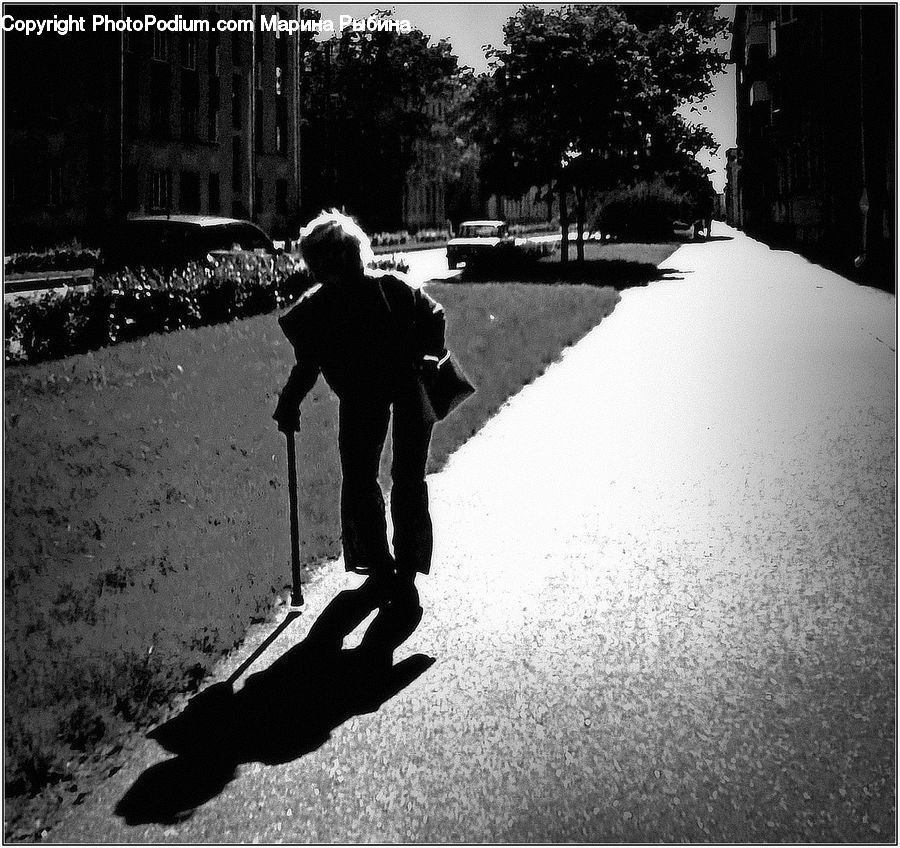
582,98
363,106
529,114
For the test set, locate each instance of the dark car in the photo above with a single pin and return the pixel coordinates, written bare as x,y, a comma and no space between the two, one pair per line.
477,241
171,241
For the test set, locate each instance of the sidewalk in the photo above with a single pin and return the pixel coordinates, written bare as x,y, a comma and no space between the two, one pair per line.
662,600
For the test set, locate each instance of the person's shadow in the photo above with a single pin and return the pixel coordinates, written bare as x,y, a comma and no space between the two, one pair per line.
281,713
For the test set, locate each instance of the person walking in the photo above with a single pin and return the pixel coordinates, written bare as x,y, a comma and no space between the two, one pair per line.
705,207
372,336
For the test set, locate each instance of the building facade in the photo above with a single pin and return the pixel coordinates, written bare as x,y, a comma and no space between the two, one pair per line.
105,124
816,106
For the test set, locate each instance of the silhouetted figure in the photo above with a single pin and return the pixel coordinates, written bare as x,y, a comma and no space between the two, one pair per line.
283,712
704,209
371,335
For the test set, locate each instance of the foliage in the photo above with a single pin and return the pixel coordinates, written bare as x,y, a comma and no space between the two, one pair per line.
71,258
136,303
393,238
147,526
401,237
530,229
430,235
364,99
632,65
642,212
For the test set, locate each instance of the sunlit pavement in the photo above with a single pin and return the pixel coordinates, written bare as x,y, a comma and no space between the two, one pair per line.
662,600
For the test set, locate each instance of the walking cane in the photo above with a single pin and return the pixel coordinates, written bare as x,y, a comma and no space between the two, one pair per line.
296,591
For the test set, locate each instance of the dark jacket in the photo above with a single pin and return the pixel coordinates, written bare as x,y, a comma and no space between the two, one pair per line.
366,342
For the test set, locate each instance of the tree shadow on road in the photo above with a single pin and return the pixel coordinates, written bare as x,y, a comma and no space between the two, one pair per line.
618,273
283,712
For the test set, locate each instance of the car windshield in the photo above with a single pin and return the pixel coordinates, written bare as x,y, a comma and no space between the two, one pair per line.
480,231
235,237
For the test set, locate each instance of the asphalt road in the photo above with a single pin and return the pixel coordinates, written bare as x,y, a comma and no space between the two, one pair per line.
661,609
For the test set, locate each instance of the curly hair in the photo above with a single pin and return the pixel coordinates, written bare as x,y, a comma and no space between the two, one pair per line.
335,240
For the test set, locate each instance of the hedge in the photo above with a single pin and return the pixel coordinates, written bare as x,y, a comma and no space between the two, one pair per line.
55,259
645,211
132,304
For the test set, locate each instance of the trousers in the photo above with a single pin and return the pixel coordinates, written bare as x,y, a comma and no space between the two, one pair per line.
361,437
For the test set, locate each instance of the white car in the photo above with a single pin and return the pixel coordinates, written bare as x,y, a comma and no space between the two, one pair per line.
478,241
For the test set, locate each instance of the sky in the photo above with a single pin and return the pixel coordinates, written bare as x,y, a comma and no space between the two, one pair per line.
469,26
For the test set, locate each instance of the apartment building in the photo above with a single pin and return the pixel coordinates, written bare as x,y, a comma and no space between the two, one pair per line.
105,124
816,106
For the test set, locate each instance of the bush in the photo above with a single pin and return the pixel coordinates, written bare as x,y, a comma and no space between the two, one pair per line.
538,227
64,258
398,237
641,212
128,305
432,235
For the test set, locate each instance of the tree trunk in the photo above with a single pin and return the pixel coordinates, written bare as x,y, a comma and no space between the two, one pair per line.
579,223
563,225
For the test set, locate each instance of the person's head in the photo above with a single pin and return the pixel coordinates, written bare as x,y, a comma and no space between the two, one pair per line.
333,246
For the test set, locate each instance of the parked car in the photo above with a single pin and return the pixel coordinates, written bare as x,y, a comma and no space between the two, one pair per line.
170,241
478,241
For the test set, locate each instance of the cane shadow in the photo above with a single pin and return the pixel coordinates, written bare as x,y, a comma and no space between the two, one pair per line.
282,713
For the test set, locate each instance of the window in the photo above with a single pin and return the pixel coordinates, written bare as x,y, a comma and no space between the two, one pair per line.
215,202
190,106
281,125
259,76
236,165
55,197
759,92
257,195
131,85
259,123
212,129
278,79
243,236
138,43
132,195
160,46
281,193
773,38
237,53
213,56
189,52
236,109
160,100
189,200
160,189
